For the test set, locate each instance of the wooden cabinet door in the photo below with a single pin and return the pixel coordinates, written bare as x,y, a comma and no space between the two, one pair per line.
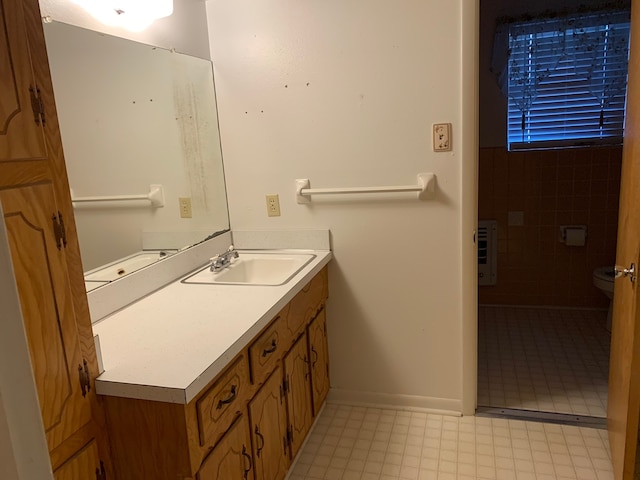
85,465
34,188
269,429
297,380
231,458
43,286
319,353
21,133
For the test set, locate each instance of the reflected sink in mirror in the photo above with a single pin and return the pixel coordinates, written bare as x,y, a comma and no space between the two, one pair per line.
268,269
124,266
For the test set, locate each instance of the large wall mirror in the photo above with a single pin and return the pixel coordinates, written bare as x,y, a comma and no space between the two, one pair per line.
132,116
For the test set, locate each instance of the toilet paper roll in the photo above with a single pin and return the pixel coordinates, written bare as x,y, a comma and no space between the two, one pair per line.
575,236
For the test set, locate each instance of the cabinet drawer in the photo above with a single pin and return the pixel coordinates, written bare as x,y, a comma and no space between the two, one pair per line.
307,302
223,401
265,352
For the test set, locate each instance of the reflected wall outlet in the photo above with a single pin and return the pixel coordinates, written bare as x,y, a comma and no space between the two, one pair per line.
441,137
273,206
185,207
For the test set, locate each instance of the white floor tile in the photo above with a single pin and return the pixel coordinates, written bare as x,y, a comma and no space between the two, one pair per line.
484,449
545,359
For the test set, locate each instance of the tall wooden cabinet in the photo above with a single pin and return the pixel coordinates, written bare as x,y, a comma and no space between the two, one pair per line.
38,214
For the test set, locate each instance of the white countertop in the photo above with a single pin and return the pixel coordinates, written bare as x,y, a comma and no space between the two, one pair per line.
170,344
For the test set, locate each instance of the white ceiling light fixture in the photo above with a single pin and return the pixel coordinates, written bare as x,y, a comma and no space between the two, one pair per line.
134,15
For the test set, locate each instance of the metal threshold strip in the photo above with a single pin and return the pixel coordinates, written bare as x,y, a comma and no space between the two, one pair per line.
546,417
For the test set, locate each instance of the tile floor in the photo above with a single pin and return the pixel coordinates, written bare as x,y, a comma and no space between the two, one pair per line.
544,359
360,443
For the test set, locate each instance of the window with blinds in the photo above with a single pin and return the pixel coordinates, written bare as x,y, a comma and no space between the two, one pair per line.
567,81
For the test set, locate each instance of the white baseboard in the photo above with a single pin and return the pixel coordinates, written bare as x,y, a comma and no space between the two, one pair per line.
440,406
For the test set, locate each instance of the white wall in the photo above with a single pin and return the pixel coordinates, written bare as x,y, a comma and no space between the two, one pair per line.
185,30
23,447
344,92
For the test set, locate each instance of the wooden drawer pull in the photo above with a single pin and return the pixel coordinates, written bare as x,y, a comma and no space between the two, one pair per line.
232,397
313,363
248,457
268,351
261,438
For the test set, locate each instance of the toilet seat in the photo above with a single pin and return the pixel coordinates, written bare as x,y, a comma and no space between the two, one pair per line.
603,278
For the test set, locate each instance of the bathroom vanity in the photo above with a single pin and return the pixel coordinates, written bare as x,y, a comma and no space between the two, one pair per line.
216,381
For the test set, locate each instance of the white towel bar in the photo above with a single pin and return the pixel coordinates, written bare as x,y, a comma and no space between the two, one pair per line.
155,196
426,189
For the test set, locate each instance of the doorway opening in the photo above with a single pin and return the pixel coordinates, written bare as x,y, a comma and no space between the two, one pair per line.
543,338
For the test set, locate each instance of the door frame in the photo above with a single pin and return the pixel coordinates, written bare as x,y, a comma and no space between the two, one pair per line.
470,32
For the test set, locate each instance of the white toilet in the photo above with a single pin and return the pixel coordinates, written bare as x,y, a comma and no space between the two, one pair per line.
603,278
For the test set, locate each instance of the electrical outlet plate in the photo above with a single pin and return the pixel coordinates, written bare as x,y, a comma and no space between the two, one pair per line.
441,137
273,205
185,207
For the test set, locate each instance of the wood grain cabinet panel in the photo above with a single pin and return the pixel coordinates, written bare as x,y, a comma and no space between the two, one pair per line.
268,415
225,400
43,287
231,459
306,303
297,381
319,356
21,133
85,465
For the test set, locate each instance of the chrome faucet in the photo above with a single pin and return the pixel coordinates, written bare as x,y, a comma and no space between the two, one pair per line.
223,260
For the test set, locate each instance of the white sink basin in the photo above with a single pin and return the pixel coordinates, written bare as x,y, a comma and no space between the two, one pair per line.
255,269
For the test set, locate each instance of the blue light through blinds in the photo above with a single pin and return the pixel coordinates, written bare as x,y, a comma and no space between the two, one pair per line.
567,81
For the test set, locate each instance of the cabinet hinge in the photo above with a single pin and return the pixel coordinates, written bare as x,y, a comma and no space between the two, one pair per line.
85,379
59,230
37,105
101,474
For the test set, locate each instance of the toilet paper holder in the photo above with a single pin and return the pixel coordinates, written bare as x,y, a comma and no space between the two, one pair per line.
573,235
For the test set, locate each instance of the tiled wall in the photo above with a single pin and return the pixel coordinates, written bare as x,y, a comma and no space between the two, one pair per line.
552,188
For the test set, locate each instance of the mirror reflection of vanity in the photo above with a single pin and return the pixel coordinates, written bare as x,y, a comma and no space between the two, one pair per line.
134,118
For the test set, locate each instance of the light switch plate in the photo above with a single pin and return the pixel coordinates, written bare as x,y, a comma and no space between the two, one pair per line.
442,137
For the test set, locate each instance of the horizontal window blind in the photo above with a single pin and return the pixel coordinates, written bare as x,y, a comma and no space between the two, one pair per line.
567,81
